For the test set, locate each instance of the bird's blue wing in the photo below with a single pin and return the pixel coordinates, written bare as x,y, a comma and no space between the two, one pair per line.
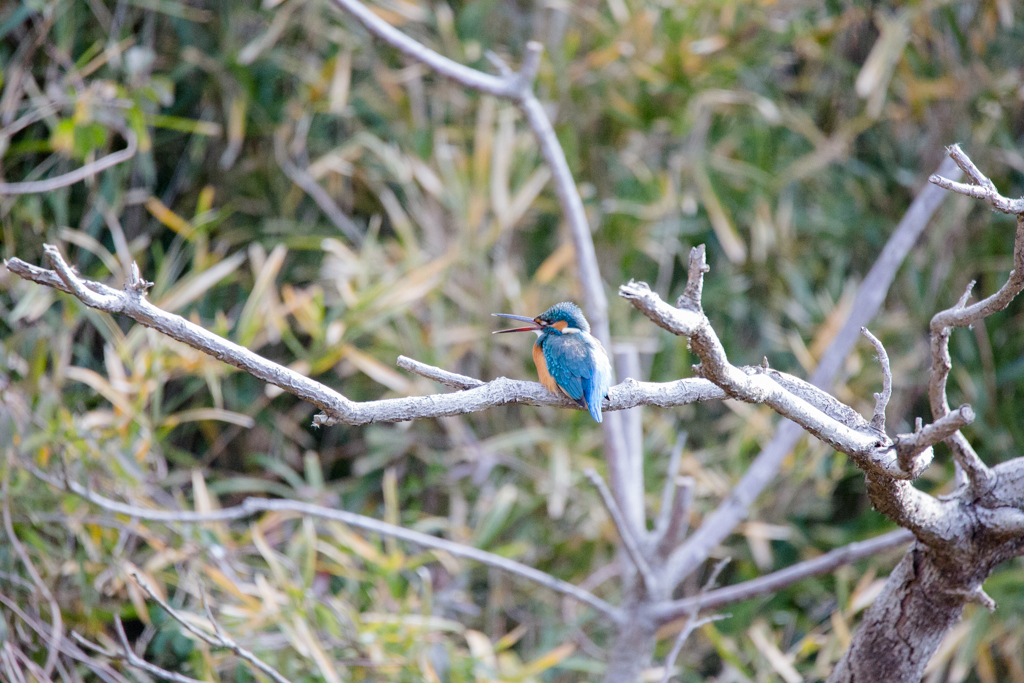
596,387
580,368
568,360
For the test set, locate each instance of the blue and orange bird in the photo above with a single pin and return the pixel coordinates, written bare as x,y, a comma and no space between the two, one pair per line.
568,358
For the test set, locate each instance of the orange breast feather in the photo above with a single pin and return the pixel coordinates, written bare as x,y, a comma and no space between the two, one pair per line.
542,370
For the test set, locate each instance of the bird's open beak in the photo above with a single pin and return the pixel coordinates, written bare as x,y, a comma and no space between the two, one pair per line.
534,325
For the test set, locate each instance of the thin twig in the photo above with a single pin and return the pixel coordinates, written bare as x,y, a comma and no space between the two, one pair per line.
693,623
57,621
629,541
464,75
221,639
881,399
909,446
251,506
980,477
776,581
669,491
691,297
319,195
79,174
983,187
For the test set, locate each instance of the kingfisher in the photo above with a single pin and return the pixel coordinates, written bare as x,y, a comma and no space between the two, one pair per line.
568,358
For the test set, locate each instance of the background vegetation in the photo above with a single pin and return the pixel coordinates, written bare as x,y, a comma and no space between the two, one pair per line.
788,136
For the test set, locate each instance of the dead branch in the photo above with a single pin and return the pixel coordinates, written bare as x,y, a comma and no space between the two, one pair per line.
337,408
870,296
251,506
78,175
218,639
629,541
770,583
881,399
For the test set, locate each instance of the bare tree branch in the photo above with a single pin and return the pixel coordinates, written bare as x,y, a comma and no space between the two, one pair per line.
881,399
78,175
693,623
219,639
337,408
57,621
629,541
870,296
983,188
770,583
910,446
319,195
251,506
962,315
816,412
463,75
871,451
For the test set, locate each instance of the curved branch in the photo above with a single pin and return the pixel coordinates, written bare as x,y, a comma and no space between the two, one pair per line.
79,174
251,506
463,75
979,475
719,524
882,398
871,451
338,409
776,581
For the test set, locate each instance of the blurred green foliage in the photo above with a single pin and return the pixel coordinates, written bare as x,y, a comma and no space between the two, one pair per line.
789,136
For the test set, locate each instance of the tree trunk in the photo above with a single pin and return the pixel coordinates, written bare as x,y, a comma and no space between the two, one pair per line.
905,624
632,651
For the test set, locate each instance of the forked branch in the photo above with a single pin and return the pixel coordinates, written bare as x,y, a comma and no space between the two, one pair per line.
960,314
474,397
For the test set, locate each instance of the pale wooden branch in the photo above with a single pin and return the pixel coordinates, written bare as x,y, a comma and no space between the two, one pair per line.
693,623
870,296
629,540
251,506
797,401
881,399
983,188
319,195
776,581
127,655
219,639
463,75
815,411
670,493
910,446
57,621
337,408
78,175
961,315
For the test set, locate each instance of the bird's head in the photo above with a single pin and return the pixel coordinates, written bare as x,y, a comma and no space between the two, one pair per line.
563,318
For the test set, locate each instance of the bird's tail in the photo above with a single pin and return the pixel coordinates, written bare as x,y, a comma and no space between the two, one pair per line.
592,397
